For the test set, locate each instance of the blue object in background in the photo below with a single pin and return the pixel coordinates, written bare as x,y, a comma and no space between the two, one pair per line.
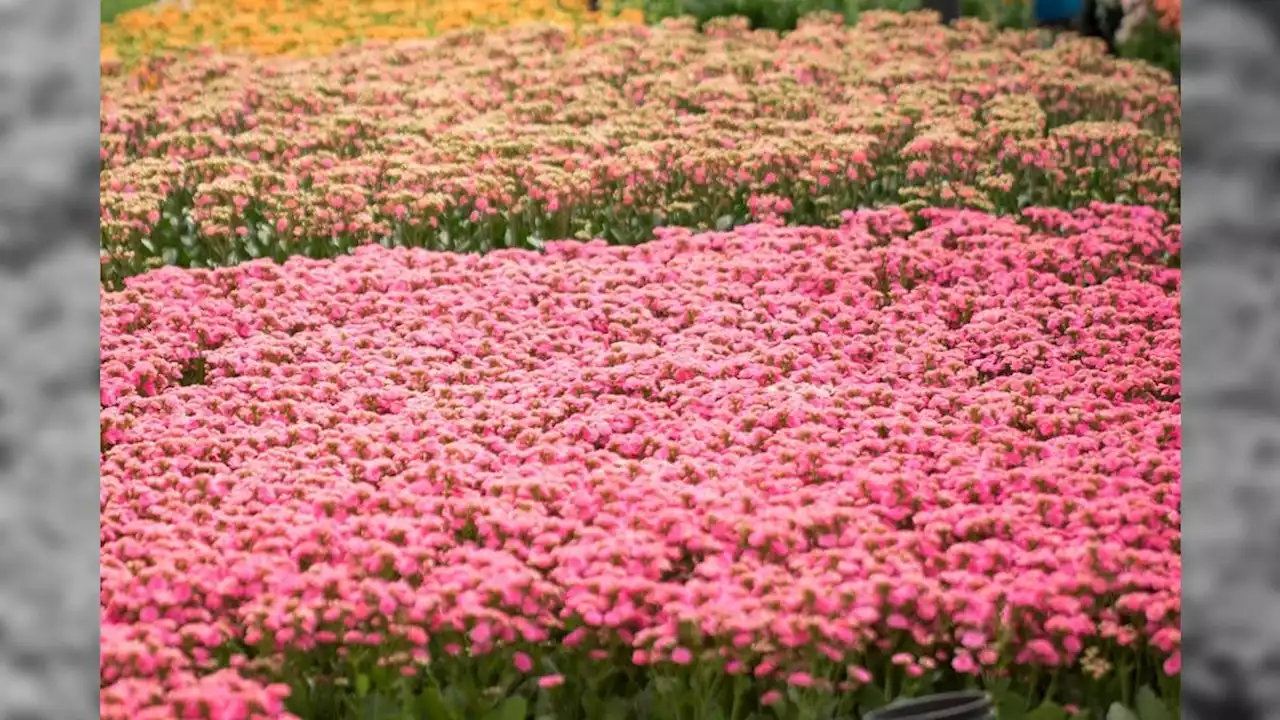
1057,11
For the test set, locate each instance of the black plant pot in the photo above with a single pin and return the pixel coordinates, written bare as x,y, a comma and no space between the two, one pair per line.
967,705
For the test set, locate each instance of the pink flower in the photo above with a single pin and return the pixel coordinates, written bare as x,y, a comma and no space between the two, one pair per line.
964,664
859,675
800,679
892,432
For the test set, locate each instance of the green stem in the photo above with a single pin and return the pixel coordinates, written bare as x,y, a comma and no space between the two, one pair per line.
1126,689
1053,687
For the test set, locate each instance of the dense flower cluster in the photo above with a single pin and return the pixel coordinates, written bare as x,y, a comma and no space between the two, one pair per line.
477,141
816,455
315,27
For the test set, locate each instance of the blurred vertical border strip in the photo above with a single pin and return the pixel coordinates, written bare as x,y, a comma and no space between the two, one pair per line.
49,263
1231,373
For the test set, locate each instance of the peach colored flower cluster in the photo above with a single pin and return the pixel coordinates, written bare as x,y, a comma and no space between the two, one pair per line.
949,438
477,141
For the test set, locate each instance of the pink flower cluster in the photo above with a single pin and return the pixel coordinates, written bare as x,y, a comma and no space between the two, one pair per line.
779,446
507,139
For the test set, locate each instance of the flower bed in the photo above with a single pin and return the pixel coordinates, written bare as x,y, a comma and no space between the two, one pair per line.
1151,30
777,469
483,141
317,27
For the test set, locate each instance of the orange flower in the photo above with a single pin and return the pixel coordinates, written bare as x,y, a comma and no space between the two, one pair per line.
275,27
1170,12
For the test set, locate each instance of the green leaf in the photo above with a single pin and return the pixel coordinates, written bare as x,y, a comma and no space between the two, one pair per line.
712,709
615,708
513,708
457,698
1149,706
1048,711
665,685
1120,712
1013,711
871,697
998,689
433,703
362,685
1009,704
378,707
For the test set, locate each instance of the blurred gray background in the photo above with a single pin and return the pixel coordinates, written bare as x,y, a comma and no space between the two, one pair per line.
48,359
1231,360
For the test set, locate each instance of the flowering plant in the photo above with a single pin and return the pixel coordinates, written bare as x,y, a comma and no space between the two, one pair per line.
482,141
774,472
317,27
1150,30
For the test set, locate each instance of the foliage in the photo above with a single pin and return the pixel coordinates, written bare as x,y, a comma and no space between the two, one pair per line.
1153,43
111,9
317,27
906,422
768,14
778,472
491,141
1159,42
